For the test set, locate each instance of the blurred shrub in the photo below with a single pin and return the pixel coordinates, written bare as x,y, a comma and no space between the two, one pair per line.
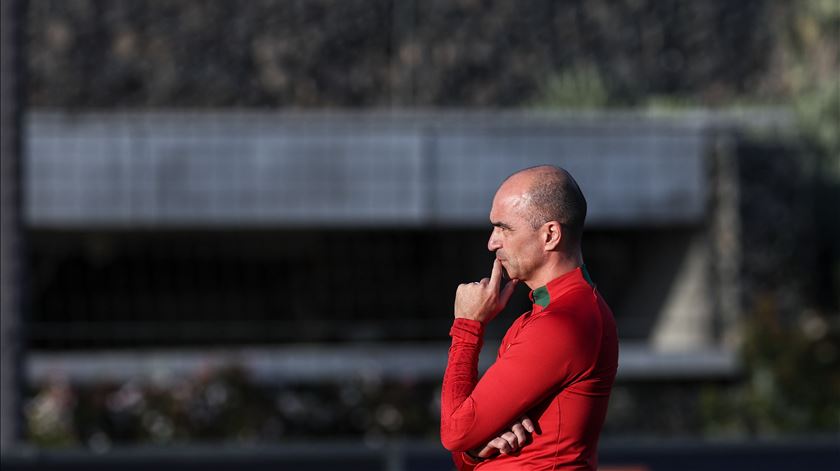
50,415
812,57
811,61
228,405
580,87
792,382
314,53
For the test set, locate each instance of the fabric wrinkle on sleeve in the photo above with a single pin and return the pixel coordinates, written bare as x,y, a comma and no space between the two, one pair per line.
467,330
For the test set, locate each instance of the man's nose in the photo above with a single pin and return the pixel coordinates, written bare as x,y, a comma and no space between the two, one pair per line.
493,243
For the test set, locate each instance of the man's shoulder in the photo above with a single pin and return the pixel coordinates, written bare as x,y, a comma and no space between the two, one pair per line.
561,330
579,298
577,309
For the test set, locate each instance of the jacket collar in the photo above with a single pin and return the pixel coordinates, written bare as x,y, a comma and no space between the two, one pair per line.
543,296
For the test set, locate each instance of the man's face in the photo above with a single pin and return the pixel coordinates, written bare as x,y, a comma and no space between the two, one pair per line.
516,243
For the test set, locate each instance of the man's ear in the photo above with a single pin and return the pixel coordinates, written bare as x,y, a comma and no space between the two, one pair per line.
552,235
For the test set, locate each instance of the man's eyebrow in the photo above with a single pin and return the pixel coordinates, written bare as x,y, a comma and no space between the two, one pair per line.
500,224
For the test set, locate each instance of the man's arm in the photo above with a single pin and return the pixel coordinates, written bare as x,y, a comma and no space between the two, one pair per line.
546,355
475,304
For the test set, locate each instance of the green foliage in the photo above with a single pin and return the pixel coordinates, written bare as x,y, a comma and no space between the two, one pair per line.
818,112
577,87
811,44
792,380
363,53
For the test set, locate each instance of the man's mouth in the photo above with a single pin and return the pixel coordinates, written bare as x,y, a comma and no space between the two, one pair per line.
505,274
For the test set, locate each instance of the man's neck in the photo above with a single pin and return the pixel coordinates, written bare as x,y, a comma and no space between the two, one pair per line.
557,265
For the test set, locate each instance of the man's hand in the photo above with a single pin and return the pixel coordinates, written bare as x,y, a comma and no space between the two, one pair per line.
482,300
508,442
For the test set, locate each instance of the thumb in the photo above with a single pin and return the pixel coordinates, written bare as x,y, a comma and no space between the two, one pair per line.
507,292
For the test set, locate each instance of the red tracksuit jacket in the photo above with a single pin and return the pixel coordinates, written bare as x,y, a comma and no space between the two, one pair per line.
556,364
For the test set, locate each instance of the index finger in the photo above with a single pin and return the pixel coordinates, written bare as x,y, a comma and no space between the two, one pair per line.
496,274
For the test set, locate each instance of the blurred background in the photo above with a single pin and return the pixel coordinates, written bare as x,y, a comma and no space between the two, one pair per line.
232,231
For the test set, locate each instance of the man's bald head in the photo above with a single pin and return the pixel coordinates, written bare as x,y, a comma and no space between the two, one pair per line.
552,195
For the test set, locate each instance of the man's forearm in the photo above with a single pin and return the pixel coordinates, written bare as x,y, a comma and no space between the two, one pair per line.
458,383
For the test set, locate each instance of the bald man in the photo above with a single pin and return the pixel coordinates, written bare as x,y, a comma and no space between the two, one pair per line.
542,404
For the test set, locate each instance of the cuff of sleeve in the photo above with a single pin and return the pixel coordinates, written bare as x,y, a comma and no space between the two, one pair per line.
469,459
467,330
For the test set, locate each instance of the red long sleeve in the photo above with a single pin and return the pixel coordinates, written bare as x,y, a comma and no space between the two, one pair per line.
468,336
557,361
544,356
